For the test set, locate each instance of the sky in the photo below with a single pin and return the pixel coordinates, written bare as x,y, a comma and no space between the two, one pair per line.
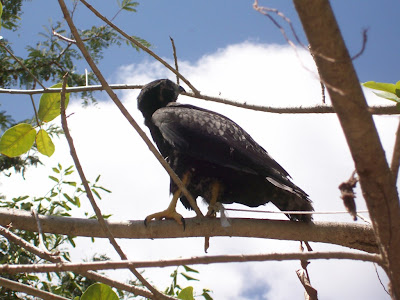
225,49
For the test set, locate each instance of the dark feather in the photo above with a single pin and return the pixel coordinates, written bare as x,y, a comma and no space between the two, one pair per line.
213,147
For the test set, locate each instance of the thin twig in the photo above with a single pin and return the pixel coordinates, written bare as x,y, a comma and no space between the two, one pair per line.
34,108
125,112
23,288
57,259
364,44
22,65
380,281
266,12
40,231
101,220
175,59
198,260
132,40
394,166
64,38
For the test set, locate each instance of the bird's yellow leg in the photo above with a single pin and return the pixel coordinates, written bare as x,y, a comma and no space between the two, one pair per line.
212,206
170,212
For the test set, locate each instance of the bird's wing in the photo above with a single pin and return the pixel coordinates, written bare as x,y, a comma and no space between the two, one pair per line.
209,136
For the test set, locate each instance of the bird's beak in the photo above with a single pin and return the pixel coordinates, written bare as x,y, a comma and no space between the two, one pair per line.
181,90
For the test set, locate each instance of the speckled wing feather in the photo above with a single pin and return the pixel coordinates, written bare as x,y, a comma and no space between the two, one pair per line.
209,136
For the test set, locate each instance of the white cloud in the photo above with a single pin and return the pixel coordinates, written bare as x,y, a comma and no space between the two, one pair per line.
310,147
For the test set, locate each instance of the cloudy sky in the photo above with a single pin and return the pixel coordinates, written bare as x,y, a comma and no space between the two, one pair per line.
249,68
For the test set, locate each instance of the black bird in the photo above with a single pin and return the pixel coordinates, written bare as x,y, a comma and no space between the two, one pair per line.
215,158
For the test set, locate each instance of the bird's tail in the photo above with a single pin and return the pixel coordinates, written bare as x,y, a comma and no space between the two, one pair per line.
291,198
293,202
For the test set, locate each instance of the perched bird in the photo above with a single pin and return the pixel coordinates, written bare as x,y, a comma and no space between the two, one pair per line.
215,158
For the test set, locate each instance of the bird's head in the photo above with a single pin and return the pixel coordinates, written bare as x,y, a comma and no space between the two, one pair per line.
157,94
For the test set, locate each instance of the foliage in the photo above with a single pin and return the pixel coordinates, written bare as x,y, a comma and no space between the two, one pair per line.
18,139
186,293
388,91
57,54
63,196
99,291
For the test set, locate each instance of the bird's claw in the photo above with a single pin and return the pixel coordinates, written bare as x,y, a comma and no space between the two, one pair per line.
212,211
167,215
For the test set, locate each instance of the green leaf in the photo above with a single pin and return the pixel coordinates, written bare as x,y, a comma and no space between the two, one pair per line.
186,293
1,12
189,269
206,295
99,291
77,201
17,140
381,86
44,143
189,277
398,88
55,179
55,170
96,193
49,106
388,96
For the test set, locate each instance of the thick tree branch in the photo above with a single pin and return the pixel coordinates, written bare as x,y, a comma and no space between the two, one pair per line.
200,260
376,180
350,235
394,166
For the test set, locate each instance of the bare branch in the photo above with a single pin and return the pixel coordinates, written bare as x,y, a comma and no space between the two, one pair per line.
364,44
132,40
319,109
57,259
175,59
199,260
356,236
394,166
376,179
23,288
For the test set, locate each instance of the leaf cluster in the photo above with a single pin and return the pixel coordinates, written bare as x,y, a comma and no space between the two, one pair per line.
20,138
388,91
64,195
56,54
186,293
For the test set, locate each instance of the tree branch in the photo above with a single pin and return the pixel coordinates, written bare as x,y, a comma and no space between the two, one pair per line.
145,49
360,237
23,288
318,109
57,259
89,193
199,260
125,112
377,184
394,166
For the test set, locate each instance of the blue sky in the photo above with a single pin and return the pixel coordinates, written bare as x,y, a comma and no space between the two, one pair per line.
227,47
202,27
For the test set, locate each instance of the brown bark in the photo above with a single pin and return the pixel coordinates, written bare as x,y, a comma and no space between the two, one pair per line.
350,235
340,78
